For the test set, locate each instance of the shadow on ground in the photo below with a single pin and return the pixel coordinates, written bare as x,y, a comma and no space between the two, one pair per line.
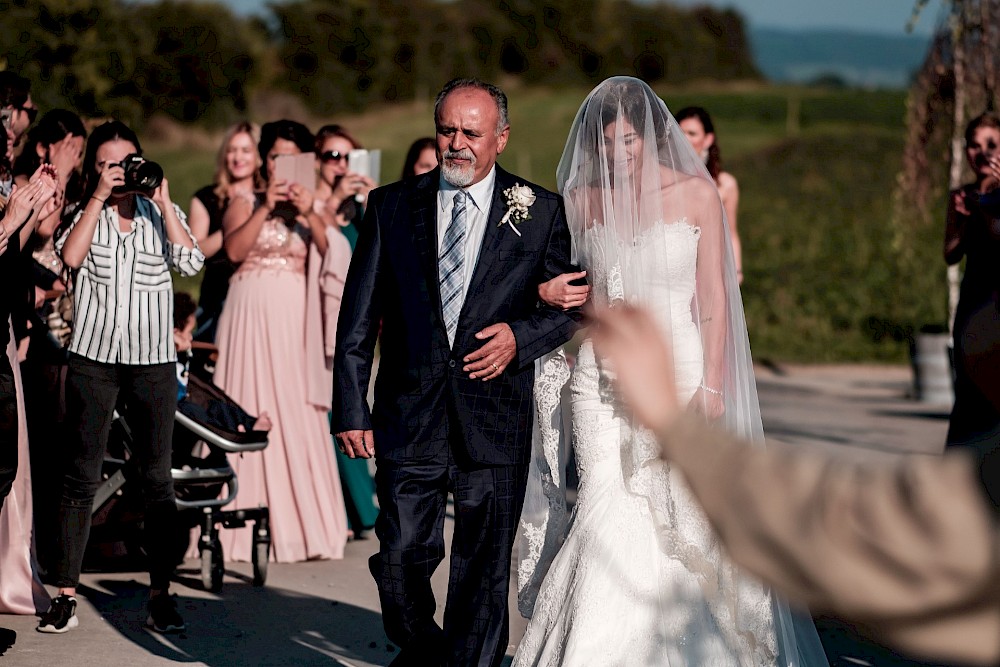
249,626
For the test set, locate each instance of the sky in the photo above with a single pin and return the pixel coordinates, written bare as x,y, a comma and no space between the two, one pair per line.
880,16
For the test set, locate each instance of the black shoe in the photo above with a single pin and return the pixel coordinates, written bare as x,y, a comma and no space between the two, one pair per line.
163,616
61,616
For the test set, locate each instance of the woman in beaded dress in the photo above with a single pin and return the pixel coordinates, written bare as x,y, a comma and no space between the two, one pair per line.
267,364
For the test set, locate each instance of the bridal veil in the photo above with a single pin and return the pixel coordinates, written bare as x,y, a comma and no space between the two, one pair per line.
628,176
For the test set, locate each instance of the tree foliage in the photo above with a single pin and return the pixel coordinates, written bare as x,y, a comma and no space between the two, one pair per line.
190,60
196,61
345,54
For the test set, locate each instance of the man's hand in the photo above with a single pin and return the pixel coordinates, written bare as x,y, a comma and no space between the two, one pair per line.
631,339
491,359
357,444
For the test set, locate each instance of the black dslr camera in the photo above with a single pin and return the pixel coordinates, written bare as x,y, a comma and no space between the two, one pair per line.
141,176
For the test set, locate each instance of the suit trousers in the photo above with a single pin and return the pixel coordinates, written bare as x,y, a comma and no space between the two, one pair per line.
8,429
150,397
410,527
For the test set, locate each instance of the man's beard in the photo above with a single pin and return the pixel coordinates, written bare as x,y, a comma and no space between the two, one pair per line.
460,177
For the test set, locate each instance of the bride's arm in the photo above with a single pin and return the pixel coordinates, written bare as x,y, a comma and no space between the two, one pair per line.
711,300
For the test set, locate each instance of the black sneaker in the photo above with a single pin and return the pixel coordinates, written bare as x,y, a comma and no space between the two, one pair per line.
163,616
61,616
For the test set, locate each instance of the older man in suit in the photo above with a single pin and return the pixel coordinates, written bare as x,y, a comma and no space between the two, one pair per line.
449,263
909,549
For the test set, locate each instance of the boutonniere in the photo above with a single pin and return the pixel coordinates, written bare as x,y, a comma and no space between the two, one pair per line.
519,199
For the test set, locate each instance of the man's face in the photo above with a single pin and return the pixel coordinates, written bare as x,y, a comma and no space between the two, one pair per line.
467,139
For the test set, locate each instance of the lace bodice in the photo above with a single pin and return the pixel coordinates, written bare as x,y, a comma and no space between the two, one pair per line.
277,248
657,268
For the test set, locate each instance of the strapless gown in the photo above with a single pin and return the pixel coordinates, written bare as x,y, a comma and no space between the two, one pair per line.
612,595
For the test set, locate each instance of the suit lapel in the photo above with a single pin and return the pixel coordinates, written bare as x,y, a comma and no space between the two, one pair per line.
488,251
423,205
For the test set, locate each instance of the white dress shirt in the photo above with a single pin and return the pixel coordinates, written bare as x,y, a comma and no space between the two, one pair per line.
477,212
123,299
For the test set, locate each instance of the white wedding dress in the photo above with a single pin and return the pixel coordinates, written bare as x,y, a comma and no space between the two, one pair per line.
639,579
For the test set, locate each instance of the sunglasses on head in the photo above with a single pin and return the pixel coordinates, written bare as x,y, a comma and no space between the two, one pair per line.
332,156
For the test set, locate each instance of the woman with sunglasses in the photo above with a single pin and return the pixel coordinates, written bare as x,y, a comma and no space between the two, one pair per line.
341,193
237,176
337,202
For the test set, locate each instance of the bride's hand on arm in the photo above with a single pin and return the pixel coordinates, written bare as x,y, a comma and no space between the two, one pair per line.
559,293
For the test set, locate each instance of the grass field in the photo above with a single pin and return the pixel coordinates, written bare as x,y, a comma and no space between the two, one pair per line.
817,171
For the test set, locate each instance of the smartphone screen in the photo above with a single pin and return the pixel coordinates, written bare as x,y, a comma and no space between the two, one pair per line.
299,169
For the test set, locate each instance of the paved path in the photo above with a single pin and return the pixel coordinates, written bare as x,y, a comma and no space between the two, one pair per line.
326,613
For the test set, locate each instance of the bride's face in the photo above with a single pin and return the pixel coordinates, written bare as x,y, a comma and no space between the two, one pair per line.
622,146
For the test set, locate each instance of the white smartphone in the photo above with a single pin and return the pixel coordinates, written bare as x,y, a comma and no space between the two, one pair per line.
299,169
365,162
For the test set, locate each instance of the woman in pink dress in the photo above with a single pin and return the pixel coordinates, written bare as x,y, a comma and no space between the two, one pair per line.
269,362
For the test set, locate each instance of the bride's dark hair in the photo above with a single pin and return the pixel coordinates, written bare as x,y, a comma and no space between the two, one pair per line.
633,101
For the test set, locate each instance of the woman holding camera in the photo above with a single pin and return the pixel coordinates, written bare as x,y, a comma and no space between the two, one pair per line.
122,244
271,359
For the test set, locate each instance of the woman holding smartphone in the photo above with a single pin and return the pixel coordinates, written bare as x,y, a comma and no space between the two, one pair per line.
122,244
271,360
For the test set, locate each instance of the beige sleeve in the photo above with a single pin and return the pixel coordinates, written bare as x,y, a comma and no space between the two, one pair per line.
885,544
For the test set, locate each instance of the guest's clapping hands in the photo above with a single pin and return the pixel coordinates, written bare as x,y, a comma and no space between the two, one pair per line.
559,293
491,359
357,444
632,340
30,202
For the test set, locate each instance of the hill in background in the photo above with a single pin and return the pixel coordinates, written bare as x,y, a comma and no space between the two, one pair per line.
871,60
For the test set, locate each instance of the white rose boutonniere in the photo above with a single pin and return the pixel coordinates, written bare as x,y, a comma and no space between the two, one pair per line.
519,199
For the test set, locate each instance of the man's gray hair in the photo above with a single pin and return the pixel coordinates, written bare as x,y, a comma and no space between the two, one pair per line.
498,96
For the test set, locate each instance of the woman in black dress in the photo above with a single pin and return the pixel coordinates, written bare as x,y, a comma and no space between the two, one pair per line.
237,174
973,232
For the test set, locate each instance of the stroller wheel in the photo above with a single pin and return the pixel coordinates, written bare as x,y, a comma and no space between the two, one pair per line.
212,566
261,554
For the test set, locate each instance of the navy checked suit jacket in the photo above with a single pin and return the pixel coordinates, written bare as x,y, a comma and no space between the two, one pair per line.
421,392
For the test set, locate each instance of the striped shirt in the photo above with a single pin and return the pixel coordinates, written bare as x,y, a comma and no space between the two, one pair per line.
124,301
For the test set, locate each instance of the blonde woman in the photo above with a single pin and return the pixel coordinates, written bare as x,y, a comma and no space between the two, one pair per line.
237,176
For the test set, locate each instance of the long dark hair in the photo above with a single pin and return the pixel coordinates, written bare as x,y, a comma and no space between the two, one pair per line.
714,161
110,131
52,128
288,130
416,148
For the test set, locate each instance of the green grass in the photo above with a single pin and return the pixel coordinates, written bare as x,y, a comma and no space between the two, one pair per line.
817,170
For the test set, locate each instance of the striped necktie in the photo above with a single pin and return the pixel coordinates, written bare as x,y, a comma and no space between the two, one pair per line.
451,263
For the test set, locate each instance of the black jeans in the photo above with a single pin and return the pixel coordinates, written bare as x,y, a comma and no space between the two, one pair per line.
150,397
8,428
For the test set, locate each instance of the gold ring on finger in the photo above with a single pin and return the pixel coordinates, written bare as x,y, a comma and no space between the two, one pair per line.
495,367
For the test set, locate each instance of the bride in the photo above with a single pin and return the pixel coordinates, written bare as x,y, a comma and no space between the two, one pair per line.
639,578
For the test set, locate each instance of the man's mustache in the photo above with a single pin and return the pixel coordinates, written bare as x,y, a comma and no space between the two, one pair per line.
464,154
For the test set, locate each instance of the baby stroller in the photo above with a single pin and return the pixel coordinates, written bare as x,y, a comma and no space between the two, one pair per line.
206,428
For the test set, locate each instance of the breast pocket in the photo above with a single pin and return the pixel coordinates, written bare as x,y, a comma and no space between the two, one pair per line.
101,264
151,272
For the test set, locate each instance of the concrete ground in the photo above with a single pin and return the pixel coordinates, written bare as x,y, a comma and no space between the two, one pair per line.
327,613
